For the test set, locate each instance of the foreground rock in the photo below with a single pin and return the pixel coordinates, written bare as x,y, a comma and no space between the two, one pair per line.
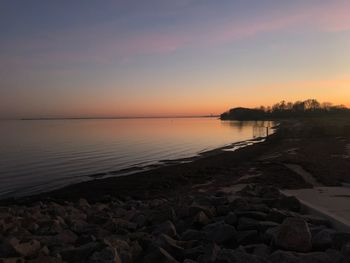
258,224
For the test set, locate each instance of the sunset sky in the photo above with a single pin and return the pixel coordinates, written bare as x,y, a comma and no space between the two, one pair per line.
169,57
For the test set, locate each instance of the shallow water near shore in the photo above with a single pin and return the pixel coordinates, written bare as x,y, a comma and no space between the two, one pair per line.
38,156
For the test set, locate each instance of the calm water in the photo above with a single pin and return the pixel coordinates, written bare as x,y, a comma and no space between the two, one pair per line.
38,156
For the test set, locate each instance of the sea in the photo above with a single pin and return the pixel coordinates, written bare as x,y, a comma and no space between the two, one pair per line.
42,155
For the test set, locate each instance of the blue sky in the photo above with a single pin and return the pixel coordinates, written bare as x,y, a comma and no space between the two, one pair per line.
162,57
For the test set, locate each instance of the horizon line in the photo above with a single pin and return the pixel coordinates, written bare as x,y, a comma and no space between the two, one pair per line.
117,117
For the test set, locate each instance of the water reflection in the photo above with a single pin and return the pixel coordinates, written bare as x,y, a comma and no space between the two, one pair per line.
42,155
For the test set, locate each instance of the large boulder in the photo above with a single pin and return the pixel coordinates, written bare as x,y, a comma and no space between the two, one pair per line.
294,234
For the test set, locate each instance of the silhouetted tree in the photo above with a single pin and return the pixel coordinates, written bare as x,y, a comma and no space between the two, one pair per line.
283,109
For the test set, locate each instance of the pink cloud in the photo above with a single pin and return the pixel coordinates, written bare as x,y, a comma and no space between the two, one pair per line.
102,45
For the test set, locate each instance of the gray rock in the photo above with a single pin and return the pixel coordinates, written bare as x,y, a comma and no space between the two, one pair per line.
315,220
195,252
220,232
260,250
26,249
277,216
264,225
194,209
140,220
247,237
217,201
201,219
284,257
346,250
252,214
192,234
238,255
245,223
336,256
159,255
106,255
322,240
171,246
231,219
340,239
211,252
294,234
66,237
289,203
80,254
44,259
223,210
316,257
166,228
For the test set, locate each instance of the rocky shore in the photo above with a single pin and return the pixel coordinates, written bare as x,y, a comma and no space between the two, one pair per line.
256,224
193,212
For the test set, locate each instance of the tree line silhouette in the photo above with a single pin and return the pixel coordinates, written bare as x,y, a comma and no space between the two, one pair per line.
283,109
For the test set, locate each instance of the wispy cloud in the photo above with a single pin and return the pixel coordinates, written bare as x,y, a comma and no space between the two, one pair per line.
103,45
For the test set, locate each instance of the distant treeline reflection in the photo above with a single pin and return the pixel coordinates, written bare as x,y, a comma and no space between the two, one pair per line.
283,109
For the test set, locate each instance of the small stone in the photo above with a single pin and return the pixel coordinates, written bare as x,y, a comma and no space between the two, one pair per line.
201,219
140,220
340,239
220,232
12,260
171,246
238,255
264,225
346,250
260,250
159,255
247,237
26,249
80,254
294,234
83,203
192,234
284,257
316,257
289,203
223,210
252,214
45,259
106,255
322,240
231,219
67,237
277,216
166,228
211,252
195,252
245,223
194,209
315,220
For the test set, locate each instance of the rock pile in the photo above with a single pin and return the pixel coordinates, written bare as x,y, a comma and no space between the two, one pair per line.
258,224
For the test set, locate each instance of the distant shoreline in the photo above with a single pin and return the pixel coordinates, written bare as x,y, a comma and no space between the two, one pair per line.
117,118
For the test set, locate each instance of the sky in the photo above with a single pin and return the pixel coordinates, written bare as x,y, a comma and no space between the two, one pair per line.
169,57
